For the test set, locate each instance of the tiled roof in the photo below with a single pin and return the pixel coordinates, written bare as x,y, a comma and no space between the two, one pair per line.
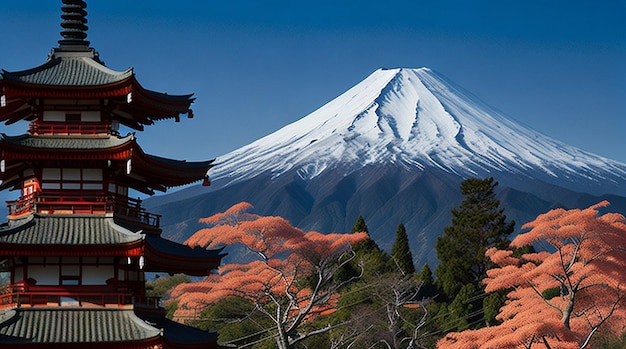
175,249
175,332
162,255
181,163
45,325
67,230
66,142
69,71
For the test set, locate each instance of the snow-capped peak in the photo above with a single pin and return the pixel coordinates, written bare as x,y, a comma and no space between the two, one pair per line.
413,118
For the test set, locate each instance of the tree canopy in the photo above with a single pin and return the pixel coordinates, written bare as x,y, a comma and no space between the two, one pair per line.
290,281
401,251
477,224
560,297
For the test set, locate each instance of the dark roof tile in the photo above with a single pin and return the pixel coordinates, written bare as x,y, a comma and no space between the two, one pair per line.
67,142
69,71
68,230
58,325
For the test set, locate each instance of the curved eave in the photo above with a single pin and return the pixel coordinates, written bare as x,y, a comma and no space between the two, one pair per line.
162,255
166,173
144,107
148,171
19,152
161,100
147,106
180,336
14,175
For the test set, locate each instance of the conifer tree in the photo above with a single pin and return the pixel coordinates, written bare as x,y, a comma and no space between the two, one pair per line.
477,224
425,276
359,225
370,257
401,252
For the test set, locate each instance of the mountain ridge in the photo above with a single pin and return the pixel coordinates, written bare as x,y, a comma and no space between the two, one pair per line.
394,148
417,118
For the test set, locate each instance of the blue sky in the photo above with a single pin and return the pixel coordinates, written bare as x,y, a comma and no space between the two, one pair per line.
255,66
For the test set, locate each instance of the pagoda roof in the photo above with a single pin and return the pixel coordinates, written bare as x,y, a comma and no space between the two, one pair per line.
149,172
100,235
178,335
79,74
171,173
82,70
80,325
162,255
63,233
72,143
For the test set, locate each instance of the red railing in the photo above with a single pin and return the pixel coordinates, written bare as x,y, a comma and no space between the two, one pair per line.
62,128
80,203
130,210
22,294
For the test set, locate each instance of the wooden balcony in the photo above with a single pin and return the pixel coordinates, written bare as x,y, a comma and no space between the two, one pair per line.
68,202
66,129
24,295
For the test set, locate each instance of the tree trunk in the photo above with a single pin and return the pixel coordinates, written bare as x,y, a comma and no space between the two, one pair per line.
567,313
282,340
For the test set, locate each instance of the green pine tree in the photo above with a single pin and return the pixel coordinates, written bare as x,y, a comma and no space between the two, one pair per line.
462,307
370,257
401,252
477,224
425,276
359,225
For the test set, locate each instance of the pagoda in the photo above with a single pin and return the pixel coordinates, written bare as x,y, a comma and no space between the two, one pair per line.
76,246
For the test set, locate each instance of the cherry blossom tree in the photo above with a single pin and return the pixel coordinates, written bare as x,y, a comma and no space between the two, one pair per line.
290,281
563,296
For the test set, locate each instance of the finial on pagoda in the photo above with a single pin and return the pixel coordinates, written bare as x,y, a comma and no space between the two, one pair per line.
74,25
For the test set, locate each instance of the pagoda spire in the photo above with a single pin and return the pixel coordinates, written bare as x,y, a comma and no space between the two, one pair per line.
74,25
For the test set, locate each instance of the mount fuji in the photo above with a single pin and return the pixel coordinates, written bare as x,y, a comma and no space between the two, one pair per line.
394,148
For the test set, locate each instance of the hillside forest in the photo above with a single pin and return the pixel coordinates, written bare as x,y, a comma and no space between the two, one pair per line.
558,284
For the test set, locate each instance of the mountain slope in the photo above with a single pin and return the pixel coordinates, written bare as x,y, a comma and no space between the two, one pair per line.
415,118
395,148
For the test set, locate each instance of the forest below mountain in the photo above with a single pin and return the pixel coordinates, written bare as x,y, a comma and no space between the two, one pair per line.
556,285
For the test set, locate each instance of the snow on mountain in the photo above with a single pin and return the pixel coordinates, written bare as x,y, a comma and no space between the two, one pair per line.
416,118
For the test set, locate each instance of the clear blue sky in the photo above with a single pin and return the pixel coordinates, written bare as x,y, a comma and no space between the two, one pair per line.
255,66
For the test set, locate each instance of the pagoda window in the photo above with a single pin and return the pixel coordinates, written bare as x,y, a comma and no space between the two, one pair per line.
51,178
5,278
5,272
69,122
90,116
71,117
71,270
44,270
117,189
72,178
96,270
53,116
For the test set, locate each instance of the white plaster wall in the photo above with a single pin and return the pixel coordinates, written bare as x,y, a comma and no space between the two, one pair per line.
90,116
54,115
97,275
44,275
